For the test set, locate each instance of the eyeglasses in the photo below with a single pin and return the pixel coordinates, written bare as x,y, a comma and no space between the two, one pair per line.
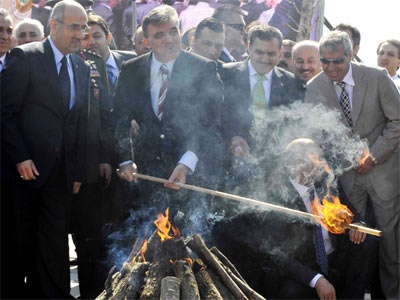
336,61
239,27
76,27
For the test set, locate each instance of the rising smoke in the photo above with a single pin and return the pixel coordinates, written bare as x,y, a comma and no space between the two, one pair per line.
277,128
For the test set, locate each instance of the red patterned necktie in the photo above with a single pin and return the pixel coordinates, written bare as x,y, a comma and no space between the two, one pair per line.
163,90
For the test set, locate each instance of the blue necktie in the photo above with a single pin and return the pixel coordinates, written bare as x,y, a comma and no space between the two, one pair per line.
112,79
320,252
65,82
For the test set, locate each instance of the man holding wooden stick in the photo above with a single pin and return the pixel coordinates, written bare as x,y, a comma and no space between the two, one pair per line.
297,259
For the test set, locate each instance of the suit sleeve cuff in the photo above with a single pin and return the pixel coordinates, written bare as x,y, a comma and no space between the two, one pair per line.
313,281
189,159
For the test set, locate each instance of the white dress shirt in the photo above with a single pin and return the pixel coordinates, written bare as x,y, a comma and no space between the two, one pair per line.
2,61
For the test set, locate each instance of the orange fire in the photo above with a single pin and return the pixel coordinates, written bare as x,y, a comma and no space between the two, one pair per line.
141,253
165,229
363,158
333,215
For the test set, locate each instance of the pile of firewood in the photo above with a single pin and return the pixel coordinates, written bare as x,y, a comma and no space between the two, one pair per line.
165,270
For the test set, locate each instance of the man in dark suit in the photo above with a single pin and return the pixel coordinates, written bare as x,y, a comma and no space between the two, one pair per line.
44,106
253,86
98,40
95,205
369,105
176,133
235,32
291,262
6,30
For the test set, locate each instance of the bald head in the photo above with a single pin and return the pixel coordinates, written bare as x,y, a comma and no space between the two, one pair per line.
306,60
304,161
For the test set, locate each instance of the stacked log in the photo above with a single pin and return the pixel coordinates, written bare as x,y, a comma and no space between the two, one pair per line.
169,273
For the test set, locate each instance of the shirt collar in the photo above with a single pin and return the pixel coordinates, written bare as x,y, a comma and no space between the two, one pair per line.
348,78
111,62
301,189
58,56
156,64
253,71
3,59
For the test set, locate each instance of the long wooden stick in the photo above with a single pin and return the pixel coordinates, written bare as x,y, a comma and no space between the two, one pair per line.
254,202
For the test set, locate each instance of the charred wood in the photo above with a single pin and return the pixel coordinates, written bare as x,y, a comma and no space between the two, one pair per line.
223,259
197,244
170,288
207,288
189,287
223,290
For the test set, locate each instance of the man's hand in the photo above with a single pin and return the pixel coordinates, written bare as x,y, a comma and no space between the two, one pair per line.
238,147
126,172
105,171
357,237
366,166
27,170
325,289
178,175
76,187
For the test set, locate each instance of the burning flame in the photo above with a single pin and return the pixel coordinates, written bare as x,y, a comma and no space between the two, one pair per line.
141,253
363,158
333,215
165,227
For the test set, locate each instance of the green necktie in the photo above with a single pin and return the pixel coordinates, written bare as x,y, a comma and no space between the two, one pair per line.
259,100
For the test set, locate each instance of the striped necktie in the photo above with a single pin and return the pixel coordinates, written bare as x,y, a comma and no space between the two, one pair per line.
344,102
163,90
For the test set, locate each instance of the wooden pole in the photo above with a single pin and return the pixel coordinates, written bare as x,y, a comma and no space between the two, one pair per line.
254,202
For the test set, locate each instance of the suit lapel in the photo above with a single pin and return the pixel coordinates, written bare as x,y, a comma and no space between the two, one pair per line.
359,90
50,69
244,80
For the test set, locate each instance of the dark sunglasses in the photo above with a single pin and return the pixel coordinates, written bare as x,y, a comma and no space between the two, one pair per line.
238,27
336,61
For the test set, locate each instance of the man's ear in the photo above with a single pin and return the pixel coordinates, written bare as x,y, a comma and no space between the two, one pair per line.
53,24
146,43
191,42
109,38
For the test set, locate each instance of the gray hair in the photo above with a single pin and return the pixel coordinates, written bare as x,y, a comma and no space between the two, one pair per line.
59,9
159,15
333,40
38,26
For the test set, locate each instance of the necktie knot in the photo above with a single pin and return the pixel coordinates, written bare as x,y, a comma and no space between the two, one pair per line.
342,84
164,70
260,77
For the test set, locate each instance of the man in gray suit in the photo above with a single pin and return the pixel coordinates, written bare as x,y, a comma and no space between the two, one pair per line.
370,105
